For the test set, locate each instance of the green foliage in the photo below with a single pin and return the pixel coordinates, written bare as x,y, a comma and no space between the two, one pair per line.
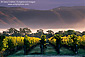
57,36
10,44
74,37
26,42
43,37
58,39
69,40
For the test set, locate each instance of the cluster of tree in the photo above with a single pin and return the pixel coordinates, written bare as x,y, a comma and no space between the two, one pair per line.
15,32
70,32
26,31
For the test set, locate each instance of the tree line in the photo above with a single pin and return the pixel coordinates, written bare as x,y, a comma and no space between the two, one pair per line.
27,31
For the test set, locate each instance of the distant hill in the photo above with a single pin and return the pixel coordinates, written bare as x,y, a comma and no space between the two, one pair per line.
61,17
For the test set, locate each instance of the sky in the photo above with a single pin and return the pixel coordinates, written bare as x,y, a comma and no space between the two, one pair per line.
48,4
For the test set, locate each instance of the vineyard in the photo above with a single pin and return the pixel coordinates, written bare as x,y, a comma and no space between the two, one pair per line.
10,42
71,42
14,43
67,40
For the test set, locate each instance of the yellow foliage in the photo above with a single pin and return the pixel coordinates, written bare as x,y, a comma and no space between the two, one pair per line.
18,41
68,41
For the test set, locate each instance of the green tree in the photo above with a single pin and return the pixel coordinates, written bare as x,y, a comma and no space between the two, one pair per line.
58,42
26,42
43,43
74,37
50,32
26,30
75,45
12,30
58,38
39,33
70,32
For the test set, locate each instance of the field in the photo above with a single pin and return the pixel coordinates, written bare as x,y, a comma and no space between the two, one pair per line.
17,44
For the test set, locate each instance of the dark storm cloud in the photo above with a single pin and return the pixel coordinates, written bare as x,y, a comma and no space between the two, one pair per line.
49,4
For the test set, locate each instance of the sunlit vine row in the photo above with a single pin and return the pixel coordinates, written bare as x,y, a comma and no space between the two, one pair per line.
17,41
68,41
32,40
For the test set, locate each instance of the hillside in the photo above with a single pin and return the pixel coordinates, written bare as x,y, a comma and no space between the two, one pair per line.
61,17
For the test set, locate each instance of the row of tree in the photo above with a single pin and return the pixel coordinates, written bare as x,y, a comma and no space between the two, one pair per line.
26,31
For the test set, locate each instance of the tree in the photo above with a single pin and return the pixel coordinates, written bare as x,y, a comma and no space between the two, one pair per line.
50,32
39,32
65,33
78,33
75,43
60,33
13,30
74,37
25,31
58,42
43,43
70,32
26,44
5,33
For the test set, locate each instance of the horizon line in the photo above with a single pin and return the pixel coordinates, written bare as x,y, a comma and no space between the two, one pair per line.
44,30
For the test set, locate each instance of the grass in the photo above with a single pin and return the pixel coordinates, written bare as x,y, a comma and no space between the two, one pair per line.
50,52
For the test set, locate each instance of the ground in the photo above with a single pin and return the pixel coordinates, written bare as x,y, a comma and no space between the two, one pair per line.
49,52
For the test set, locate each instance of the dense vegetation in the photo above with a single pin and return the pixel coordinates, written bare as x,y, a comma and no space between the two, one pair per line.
68,40
50,33
12,39
10,42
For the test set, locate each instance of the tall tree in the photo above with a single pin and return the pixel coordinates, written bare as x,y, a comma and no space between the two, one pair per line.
13,30
50,32
39,32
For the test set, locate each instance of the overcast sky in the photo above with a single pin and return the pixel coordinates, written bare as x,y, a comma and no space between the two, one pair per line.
49,4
